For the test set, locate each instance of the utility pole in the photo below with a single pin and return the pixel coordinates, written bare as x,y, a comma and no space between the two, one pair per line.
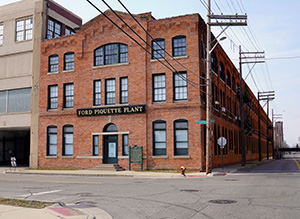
246,58
267,95
221,20
208,93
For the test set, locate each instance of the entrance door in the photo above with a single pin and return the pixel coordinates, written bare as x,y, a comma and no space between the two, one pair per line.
110,149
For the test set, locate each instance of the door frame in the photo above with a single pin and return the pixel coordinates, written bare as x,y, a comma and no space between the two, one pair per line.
106,140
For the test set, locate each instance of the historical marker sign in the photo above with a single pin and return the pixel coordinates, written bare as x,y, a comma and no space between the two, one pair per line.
136,155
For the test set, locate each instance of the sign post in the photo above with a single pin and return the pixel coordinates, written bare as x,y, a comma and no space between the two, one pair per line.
222,142
136,155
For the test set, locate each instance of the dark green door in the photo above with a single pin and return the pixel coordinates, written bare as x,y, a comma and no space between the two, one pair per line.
110,149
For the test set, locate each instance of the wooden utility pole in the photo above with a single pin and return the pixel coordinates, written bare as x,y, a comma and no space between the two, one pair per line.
208,93
267,95
246,58
221,20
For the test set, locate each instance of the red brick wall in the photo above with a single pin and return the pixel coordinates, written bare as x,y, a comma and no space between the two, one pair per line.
139,71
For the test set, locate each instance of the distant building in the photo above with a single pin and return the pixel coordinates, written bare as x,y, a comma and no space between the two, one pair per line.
279,140
101,93
23,26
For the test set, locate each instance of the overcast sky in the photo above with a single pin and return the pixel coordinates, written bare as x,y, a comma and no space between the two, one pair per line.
272,28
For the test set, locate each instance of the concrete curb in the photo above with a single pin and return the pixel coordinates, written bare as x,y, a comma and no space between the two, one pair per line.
93,173
133,174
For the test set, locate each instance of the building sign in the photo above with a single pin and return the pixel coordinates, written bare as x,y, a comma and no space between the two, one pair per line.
136,155
117,110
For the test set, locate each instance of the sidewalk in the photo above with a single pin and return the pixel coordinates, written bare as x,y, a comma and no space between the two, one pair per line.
89,172
135,174
54,211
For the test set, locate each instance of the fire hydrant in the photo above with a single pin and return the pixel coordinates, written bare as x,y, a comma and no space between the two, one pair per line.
182,169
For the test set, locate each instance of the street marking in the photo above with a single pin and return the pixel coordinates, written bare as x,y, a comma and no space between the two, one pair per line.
40,193
49,181
298,164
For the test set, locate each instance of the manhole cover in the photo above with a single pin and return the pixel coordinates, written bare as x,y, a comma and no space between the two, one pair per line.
88,203
86,194
189,190
222,201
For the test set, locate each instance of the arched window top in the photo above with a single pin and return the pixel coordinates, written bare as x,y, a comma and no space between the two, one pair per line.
222,71
159,124
53,63
70,52
68,128
179,46
214,63
181,124
158,39
158,48
52,129
110,128
228,78
69,61
109,54
178,37
233,83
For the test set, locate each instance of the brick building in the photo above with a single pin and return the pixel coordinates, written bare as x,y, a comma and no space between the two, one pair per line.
101,93
23,25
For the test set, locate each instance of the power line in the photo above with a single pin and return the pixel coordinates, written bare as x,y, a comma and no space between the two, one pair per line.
282,58
139,43
181,76
154,40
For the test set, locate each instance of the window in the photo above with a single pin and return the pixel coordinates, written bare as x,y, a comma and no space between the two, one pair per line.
69,31
125,145
1,34
53,63
159,138
68,95
51,141
180,86
181,137
158,49
179,46
52,97
110,91
18,100
69,61
111,54
228,79
95,145
54,29
214,63
124,90
159,88
97,93
203,51
222,72
68,140
24,29
233,84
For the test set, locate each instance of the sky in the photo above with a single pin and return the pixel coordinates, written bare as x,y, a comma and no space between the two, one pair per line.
271,28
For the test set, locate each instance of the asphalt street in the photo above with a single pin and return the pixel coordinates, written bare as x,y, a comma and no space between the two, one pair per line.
269,190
